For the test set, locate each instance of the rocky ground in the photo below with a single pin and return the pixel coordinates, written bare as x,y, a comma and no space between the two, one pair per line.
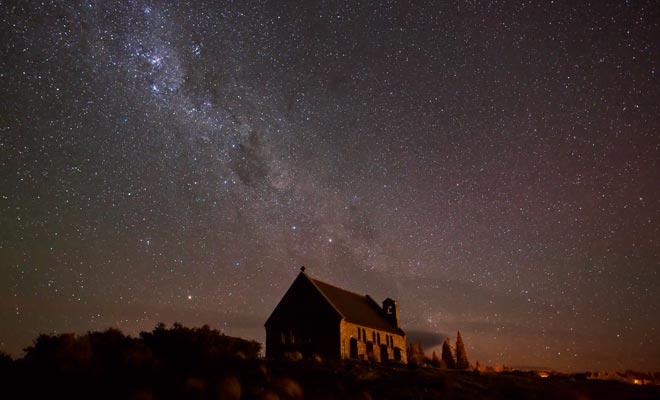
364,381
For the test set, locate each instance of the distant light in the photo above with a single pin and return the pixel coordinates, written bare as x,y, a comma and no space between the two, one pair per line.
189,297
330,240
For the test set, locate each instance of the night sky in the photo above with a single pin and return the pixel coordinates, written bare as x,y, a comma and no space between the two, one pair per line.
494,167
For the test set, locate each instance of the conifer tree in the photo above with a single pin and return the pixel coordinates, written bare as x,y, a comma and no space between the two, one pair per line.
416,354
447,356
435,361
461,356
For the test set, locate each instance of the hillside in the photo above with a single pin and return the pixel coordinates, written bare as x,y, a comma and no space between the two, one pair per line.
200,363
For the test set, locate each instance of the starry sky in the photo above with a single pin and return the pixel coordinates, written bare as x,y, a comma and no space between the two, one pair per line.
494,166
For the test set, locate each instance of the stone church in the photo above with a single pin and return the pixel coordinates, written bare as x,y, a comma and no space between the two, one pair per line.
315,317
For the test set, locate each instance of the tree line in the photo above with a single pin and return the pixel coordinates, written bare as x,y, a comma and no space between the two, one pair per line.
175,362
451,357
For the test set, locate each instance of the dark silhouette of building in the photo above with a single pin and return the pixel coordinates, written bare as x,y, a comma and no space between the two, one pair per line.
316,318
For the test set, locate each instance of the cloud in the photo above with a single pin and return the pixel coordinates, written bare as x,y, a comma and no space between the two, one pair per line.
428,339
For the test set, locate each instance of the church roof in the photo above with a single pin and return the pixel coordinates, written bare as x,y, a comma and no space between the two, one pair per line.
355,308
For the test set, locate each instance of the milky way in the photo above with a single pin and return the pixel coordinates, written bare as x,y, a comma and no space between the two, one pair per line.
494,167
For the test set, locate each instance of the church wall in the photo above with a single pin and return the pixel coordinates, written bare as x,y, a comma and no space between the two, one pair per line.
349,331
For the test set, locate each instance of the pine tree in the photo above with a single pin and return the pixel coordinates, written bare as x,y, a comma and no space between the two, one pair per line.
461,356
447,356
435,361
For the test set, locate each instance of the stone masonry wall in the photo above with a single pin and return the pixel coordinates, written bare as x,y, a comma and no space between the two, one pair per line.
349,331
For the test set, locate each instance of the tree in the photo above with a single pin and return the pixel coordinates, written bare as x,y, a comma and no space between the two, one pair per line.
416,354
437,362
447,356
5,358
461,356
5,361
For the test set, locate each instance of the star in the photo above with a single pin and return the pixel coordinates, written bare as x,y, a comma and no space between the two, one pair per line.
497,177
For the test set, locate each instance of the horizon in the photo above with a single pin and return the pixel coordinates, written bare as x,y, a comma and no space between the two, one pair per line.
420,337
427,351
493,167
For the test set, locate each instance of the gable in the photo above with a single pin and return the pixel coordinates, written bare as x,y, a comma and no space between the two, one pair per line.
302,302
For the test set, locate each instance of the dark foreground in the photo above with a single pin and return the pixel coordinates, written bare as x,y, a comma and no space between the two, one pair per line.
361,381
272,380
201,363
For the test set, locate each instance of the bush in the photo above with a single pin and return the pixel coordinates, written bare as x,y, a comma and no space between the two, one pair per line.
416,354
